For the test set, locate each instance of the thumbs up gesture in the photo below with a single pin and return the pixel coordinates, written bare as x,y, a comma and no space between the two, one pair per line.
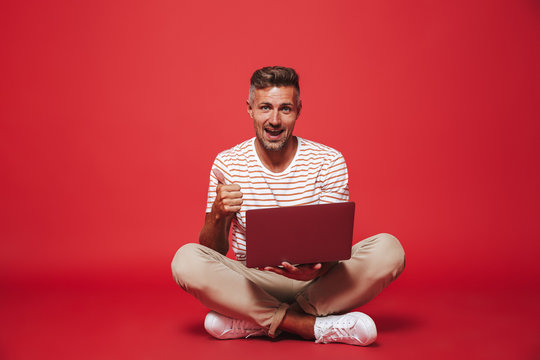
228,197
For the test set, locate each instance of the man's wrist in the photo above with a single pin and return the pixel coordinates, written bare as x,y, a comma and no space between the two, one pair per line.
218,217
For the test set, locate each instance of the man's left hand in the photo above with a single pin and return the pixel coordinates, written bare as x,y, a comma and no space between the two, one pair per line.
304,272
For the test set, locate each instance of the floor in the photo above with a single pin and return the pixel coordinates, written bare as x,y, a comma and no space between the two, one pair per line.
111,319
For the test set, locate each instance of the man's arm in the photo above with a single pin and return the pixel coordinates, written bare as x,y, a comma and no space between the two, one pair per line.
217,223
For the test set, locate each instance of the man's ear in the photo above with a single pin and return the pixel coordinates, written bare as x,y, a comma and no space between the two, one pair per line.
249,109
299,107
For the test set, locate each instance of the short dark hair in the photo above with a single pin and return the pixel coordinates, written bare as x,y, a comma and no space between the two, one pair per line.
274,76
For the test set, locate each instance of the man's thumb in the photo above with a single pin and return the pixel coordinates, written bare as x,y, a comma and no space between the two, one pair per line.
219,175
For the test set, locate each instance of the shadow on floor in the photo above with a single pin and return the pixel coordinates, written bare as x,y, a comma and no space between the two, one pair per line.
395,322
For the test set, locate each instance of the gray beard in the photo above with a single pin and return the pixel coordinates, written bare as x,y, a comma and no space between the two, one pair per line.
274,146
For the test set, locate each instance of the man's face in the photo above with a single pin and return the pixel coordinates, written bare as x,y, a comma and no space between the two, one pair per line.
274,112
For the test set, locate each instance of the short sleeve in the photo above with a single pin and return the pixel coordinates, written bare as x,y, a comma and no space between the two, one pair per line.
335,181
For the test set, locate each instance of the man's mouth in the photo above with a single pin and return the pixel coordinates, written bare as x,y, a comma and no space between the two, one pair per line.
273,133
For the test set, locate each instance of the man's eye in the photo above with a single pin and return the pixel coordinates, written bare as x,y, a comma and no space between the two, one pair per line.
265,108
286,109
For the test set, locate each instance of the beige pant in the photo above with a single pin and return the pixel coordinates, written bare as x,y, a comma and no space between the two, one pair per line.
234,290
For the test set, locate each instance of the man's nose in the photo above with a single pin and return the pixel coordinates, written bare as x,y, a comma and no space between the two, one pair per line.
275,119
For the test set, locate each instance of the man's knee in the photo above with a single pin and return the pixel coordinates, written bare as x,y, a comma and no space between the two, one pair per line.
385,255
392,255
184,264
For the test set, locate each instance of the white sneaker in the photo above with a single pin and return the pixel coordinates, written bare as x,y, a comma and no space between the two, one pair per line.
353,328
223,327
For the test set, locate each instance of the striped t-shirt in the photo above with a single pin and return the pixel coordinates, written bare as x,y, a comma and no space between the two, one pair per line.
317,175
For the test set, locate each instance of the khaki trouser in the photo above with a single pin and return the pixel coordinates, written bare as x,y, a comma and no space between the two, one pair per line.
232,289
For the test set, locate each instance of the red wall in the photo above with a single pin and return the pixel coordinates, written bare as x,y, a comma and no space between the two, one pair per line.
112,112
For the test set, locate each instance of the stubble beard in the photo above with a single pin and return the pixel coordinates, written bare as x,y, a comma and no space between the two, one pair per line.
272,146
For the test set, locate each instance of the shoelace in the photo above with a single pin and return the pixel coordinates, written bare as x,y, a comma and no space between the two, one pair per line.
338,329
243,327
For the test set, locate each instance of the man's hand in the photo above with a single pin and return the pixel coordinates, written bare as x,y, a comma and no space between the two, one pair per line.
303,272
228,197
217,223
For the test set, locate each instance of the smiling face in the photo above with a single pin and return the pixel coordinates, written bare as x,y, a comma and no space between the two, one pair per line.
274,111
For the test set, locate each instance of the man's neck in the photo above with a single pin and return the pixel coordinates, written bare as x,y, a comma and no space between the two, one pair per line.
277,161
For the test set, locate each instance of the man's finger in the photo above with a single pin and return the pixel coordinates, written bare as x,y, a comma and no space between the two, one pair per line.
219,175
232,188
232,202
234,194
232,208
225,193
289,267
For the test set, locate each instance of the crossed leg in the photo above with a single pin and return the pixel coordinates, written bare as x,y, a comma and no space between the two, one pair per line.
275,302
375,262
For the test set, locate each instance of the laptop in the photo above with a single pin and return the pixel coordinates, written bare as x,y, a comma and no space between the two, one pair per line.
299,234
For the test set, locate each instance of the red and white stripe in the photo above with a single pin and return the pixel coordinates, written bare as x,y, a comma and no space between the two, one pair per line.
317,175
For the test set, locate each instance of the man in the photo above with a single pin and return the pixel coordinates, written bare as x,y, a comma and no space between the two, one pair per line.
276,168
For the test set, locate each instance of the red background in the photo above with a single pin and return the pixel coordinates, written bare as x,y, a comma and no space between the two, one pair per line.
112,112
